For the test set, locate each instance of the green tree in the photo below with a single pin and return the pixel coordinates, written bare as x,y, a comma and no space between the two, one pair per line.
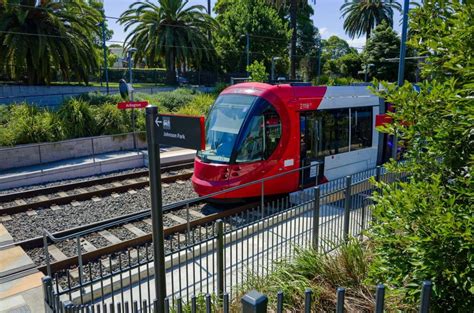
382,45
423,229
257,72
362,16
169,30
294,8
339,59
268,32
40,38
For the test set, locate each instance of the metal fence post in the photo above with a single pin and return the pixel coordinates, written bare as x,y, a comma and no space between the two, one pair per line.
425,297
316,208
46,253
347,206
93,150
379,298
226,306
263,196
378,170
340,300
254,302
220,258
79,261
307,300
280,302
47,286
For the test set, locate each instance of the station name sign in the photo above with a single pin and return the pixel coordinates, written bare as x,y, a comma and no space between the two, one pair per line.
132,105
181,131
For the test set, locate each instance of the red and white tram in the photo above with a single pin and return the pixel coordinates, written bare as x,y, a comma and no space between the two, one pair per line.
257,130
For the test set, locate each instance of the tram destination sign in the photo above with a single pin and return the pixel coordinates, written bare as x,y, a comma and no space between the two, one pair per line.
181,131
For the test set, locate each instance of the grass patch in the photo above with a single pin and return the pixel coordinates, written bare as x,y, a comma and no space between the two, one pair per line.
347,266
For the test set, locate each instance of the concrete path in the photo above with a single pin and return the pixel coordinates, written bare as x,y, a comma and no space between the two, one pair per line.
249,252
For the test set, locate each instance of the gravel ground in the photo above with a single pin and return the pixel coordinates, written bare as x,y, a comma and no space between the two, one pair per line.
22,226
66,181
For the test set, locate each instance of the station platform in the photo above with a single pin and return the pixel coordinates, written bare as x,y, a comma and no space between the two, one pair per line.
87,166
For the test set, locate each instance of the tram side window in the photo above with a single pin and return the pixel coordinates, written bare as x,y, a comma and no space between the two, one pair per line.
335,132
252,147
361,128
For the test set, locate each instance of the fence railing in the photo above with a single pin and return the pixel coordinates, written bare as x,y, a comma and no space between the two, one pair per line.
251,302
219,257
93,147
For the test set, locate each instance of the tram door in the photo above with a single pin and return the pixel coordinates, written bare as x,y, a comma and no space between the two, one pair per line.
310,130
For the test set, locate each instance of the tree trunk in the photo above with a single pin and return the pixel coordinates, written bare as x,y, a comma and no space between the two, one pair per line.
293,9
170,69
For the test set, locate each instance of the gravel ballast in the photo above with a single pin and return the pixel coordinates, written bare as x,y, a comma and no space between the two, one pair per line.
22,226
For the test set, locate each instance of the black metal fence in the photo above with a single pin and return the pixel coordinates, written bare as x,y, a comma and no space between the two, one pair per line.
252,302
219,257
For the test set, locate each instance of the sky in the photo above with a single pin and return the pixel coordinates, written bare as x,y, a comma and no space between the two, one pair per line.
327,18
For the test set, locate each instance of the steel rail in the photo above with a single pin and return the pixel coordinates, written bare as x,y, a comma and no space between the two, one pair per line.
96,254
89,194
87,183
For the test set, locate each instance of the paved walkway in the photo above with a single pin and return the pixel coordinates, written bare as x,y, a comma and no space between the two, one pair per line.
249,252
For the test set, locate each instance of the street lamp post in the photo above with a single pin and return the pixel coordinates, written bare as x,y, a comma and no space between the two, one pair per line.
401,65
247,49
273,67
129,52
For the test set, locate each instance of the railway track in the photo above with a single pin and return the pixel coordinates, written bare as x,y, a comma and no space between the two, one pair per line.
51,196
61,260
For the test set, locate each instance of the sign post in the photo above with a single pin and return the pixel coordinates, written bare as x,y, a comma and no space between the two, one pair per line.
175,130
156,207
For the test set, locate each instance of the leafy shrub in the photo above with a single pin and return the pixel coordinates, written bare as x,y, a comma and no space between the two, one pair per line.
257,72
220,87
78,119
173,101
323,273
111,120
6,136
97,98
27,124
423,229
200,105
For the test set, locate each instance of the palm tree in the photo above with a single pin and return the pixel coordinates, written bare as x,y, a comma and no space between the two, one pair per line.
293,6
361,16
169,30
38,39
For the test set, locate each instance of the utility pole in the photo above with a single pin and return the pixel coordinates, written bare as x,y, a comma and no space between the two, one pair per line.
293,12
104,47
247,49
130,51
209,12
319,59
401,64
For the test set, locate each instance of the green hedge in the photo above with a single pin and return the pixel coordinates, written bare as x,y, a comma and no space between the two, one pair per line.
90,114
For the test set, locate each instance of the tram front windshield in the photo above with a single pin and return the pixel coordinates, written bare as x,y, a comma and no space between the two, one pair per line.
223,125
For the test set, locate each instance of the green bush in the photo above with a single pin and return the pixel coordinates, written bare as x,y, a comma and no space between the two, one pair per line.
423,229
111,120
257,72
170,101
220,87
200,105
97,98
347,266
28,124
77,119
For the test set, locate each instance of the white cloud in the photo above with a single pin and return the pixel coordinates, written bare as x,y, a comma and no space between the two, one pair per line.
356,42
323,30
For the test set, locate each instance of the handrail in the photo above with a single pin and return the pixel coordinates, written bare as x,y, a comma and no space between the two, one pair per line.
174,205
